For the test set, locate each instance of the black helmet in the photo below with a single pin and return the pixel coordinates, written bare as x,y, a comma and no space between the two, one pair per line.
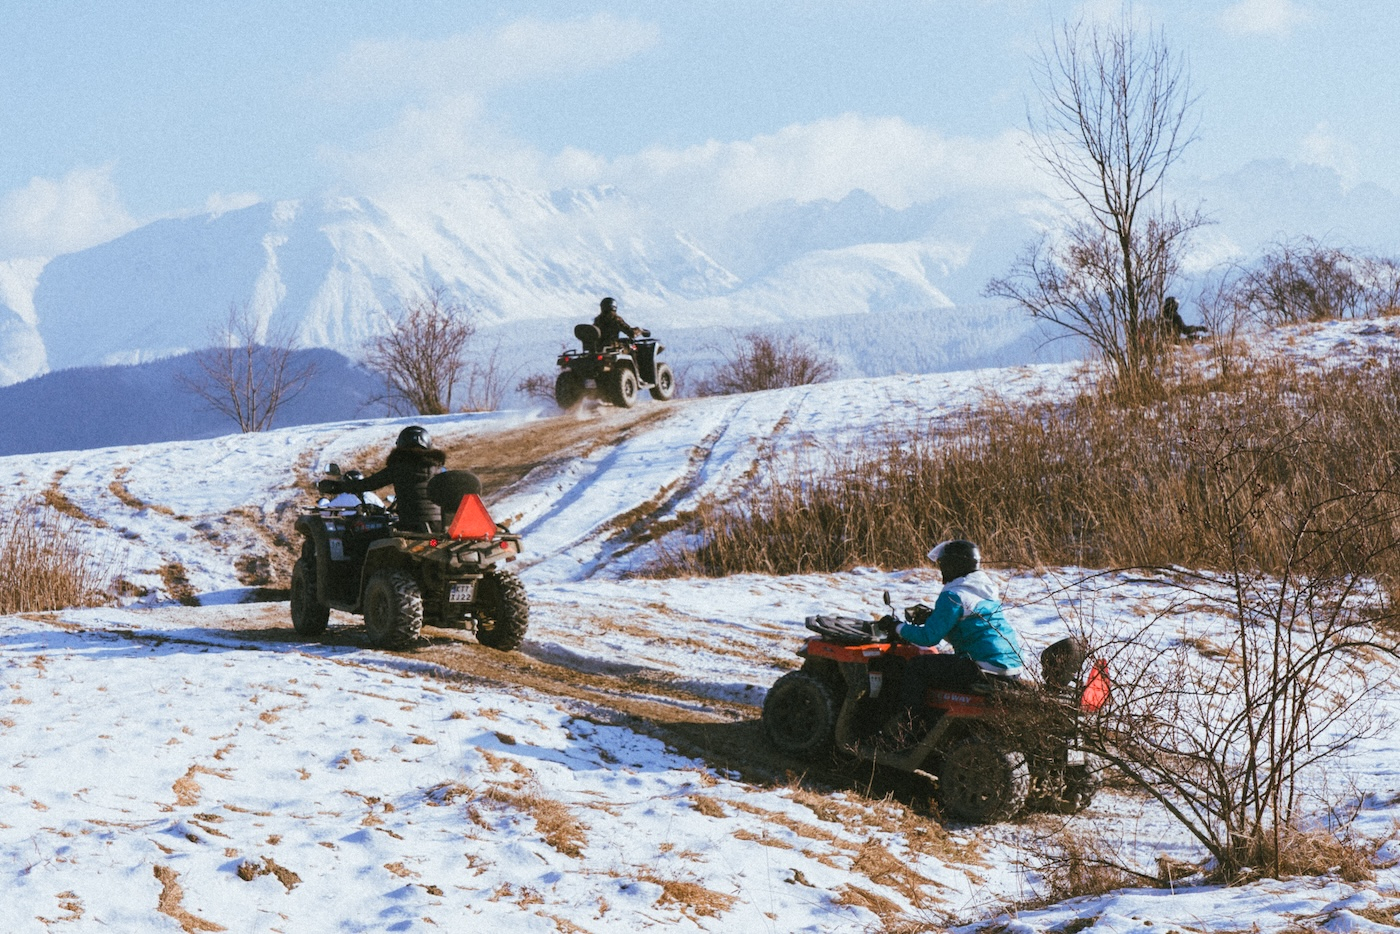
414,437
608,304
956,558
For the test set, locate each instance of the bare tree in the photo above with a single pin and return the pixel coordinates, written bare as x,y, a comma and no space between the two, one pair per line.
1112,120
250,371
763,361
421,357
1223,728
487,381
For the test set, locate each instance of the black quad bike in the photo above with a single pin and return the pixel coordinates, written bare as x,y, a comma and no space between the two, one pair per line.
616,372
354,559
990,753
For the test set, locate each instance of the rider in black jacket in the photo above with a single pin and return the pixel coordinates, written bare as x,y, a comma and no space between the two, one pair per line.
411,464
610,324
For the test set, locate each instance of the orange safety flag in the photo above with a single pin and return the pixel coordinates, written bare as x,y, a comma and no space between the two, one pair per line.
472,521
1096,689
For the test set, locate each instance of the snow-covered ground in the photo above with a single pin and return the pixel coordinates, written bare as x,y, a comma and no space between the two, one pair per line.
177,767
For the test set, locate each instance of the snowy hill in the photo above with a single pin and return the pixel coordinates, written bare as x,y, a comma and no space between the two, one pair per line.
198,766
327,269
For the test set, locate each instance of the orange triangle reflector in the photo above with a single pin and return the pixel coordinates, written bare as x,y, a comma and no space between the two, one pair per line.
1097,690
472,521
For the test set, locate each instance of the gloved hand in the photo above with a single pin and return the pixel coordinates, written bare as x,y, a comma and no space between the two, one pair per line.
328,486
887,628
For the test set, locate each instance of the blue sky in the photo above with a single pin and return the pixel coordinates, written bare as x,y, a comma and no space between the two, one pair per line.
113,114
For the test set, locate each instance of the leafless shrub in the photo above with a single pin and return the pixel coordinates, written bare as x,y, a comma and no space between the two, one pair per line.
421,357
249,371
1112,121
762,361
1223,740
1306,280
1072,863
43,564
537,386
486,380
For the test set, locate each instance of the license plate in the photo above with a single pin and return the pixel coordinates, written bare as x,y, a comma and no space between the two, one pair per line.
462,593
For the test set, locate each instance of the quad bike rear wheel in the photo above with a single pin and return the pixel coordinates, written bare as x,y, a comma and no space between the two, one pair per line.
983,782
503,612
309,615
799,714
624,388
568,390
393,609
665,386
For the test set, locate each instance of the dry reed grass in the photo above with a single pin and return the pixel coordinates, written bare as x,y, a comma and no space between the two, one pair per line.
1105,479
556,823
43,565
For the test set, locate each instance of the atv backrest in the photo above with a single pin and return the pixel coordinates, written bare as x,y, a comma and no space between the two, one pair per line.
589,336
446,489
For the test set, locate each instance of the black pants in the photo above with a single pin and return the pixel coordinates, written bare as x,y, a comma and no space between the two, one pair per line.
946,672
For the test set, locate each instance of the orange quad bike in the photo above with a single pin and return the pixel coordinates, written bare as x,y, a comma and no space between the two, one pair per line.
990,753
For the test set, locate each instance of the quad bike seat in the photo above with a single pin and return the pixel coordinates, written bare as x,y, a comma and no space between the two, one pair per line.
844,630
589,336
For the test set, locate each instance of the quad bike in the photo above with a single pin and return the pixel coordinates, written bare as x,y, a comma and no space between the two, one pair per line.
616,372
990,753
354,559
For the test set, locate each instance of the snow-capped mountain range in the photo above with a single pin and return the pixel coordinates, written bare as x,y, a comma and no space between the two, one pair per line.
331,268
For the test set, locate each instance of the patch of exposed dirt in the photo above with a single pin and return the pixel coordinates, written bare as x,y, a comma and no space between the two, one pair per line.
502,458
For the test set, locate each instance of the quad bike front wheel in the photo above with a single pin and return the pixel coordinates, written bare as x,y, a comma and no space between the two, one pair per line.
503,612
568,389
983,782
393,609
799,714
665,386
624,388
309,615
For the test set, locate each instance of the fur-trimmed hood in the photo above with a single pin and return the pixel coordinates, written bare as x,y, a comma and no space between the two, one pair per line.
432,457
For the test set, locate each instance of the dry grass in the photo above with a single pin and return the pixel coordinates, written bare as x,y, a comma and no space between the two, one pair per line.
556,823
1318,853
177,584
43,565
1101,480
691,898
1073,864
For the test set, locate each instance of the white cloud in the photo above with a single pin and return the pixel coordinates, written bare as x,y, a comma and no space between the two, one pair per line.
472,63
1271,18
219,203
48,217
443,131
1324,147
896,162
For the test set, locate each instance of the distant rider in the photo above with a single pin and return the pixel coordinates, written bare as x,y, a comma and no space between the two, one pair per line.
1173,324
610,324
411,464
968,616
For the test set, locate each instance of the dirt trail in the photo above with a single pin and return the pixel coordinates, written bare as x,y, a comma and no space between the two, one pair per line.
501,458
726,735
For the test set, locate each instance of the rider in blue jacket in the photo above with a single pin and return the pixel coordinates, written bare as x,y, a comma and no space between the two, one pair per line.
968,616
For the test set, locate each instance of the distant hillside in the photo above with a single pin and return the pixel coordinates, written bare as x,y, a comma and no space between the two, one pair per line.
95,407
